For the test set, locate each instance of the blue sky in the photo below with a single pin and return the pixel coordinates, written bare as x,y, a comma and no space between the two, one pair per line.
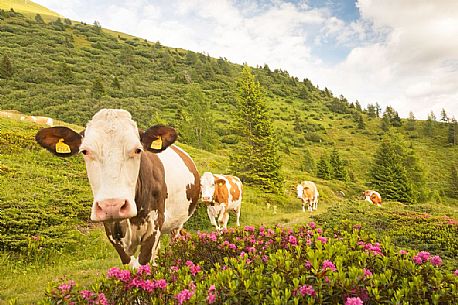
402,53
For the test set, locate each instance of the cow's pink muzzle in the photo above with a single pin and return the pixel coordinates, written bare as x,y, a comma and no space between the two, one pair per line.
206,198
110,209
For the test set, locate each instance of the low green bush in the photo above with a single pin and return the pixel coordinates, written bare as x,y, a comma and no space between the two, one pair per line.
273,266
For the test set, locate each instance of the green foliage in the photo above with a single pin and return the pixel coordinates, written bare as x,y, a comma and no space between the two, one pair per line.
256,158
195,121
308,163
273,266
98,89
452,135
453,189
6,67
324,168
338,167
406,227
390,118
410,126
388,173
39,19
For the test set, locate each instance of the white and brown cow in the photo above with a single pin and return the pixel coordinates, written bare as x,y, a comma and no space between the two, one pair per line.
221,193
308,193
142,184
373,197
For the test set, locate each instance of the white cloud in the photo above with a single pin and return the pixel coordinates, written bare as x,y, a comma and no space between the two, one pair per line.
399,53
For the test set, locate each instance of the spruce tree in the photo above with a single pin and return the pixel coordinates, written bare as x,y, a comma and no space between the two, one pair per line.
428,129
410,122
6,67
388,174
256,158
308,163
39,19
97,89
444,117
453,191
371,111
417,176
338,168
115,83
324,168
195,119
378,110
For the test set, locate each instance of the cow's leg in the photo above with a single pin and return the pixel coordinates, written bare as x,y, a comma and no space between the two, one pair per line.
224,219
212,216
310,205
315,204
149,248
237,213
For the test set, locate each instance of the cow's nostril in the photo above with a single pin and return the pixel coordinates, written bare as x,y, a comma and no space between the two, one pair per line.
124,206
98,207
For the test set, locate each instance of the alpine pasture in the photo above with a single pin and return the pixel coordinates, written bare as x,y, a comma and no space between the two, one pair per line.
346,251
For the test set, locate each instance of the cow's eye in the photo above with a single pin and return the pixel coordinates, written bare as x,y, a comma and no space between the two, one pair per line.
84,152
138,151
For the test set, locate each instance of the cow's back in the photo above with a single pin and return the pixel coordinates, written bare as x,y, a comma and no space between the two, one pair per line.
235,191
311,186
183,187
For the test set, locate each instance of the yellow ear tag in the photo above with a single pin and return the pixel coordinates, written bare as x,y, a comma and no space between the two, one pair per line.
157,144
62,148
220,184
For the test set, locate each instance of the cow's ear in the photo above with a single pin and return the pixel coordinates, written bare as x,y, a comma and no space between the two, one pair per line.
158,138
220,182
61,141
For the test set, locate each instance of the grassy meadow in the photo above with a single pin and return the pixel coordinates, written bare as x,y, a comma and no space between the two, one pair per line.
45,232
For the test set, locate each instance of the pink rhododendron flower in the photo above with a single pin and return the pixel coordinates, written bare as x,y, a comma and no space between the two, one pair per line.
322,239
307,290
265,258
436,260
232,246
174,268
308,242
424,255
319,231
64,288
367,272
249,228
144,269
357,226
354,301
417,260
292,240
86,294
312,225
327,264
184,295
122,275
102,300
402,252
456,272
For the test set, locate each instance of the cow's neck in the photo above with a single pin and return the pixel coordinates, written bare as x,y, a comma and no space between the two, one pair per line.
151,189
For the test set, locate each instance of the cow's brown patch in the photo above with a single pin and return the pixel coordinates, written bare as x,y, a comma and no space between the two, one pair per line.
376,199
192,190
221,191
235,191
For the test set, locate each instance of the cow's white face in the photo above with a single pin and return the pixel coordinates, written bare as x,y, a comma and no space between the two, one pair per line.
112,150
300,190
207,184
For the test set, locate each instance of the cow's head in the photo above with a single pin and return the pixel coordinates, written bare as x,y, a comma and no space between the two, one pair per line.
112,147
207,185
300,190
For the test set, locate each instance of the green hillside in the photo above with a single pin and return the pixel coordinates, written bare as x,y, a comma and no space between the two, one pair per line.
28,8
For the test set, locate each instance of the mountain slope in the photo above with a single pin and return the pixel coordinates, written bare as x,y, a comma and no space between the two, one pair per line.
27,7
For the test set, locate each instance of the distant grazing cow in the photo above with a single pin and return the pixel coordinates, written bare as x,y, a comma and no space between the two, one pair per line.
222,193
308,193
373,197
142,185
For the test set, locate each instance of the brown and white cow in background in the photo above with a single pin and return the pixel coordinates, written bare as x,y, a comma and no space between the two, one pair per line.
221,193
373,197
142,185
308,193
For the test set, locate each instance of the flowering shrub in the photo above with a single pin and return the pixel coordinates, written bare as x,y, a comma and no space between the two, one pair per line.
274,266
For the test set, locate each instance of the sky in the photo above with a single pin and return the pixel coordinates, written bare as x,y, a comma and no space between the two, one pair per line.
399,53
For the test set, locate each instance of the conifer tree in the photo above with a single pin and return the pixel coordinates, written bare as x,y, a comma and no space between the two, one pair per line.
308,163
410,122
256,157
324,168
98,90
388,174
6,67
371,111
453,191
195,119
416,175
378,110
428,129
115,83
39,19
358,106
338,168
444,117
